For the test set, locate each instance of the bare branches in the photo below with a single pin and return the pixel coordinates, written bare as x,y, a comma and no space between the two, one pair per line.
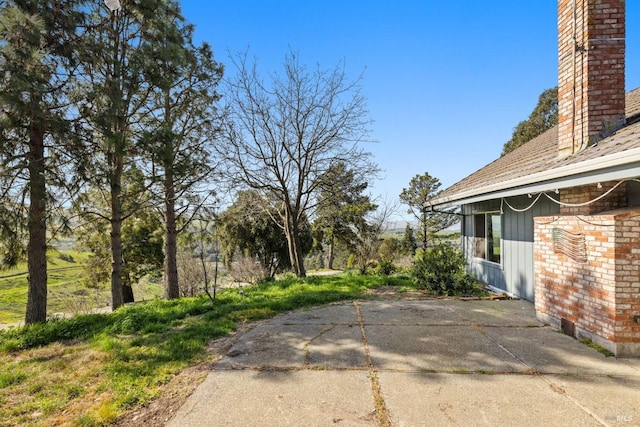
284,135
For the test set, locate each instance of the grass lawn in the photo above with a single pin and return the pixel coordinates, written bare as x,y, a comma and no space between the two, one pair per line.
66,293
88,370
65,270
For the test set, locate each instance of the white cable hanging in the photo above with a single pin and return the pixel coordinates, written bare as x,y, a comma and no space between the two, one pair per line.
521,210
574,205
605,194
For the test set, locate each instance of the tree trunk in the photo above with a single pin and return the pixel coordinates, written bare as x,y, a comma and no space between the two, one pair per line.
171,286
293,242
331,255
116,236
293,259
301,272
127,294
37,246
205,275
127,289
115,161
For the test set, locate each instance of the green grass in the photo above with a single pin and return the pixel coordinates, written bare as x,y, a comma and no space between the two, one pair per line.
66,293
102,364
596,347
64,269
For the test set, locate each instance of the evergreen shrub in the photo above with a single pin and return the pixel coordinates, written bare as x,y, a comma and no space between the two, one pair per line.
441,270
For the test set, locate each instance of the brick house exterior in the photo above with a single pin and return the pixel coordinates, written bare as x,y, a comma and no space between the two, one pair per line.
560,215
595,297
591,58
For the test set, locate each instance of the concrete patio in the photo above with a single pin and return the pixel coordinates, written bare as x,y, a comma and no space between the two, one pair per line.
414,363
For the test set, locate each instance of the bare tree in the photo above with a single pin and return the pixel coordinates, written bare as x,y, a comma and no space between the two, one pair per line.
199,243
282,137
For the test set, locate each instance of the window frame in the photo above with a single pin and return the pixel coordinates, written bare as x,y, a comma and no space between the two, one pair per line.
481,249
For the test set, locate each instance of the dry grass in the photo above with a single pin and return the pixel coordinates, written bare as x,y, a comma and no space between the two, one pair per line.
52,385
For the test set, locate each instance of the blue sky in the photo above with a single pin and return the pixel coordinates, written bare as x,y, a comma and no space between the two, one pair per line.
446,81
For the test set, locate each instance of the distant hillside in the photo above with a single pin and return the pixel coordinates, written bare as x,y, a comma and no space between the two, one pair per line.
394,232
398,232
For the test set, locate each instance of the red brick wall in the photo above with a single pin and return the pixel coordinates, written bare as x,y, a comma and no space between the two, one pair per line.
580,195
602,294
628,277
591,89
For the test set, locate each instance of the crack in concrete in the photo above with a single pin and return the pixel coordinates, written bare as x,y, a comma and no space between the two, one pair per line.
383,418
307,353
531,371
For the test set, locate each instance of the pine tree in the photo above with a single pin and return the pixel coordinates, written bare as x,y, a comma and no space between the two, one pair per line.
420,190
115,93
341,205
38,56
181,129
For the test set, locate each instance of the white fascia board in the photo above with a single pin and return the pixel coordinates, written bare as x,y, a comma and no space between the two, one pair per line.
623,165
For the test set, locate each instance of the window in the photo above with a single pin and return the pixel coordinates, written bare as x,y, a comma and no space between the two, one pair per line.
487,236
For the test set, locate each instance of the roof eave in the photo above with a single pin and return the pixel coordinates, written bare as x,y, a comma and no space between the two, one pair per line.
617,166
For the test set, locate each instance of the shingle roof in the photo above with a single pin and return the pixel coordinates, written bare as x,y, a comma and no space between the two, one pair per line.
541,154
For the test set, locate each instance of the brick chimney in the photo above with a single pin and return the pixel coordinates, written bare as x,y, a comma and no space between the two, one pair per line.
591,49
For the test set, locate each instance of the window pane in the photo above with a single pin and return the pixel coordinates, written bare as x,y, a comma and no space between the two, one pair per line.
479,241
494,235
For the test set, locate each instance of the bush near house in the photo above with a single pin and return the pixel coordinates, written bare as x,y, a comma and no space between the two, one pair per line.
385,267
441,270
